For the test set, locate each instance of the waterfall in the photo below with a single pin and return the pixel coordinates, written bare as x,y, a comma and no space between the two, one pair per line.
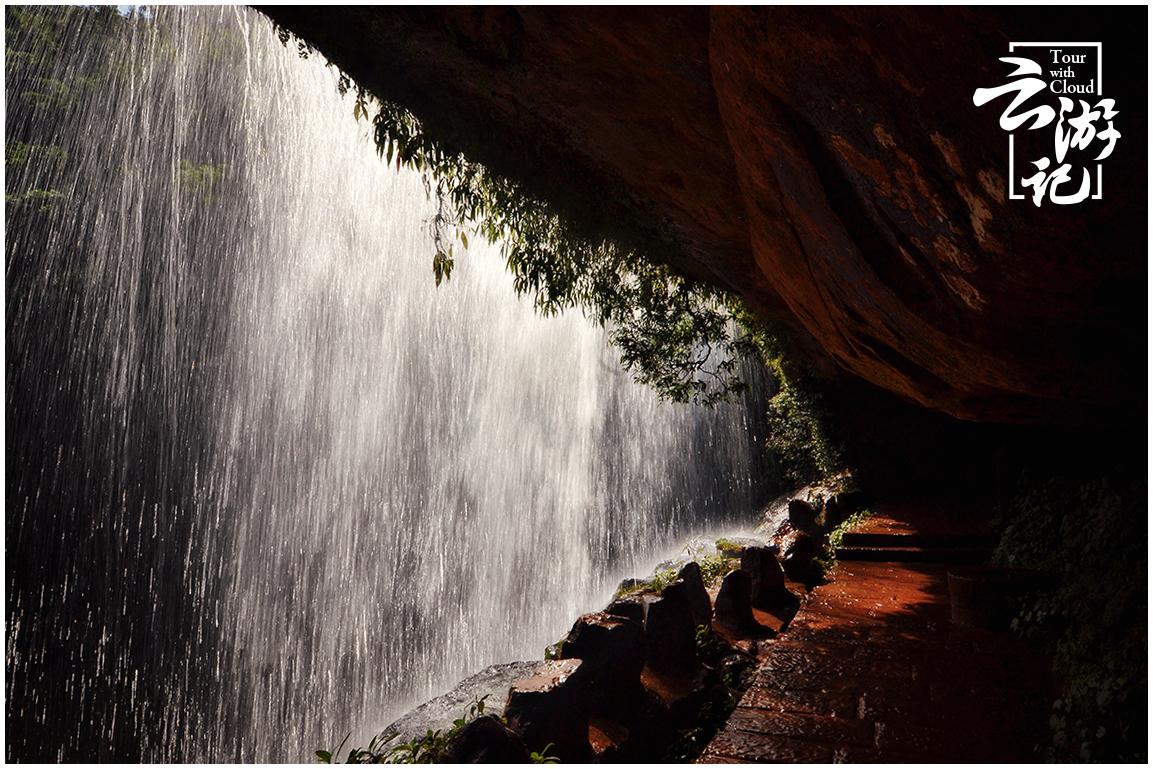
267,483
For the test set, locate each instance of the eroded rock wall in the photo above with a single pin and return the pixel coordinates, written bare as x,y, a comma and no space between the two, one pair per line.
826,164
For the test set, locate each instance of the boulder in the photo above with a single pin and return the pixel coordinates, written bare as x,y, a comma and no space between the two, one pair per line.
840,506
553,650
628,584
768,580
609,740
492,684
650,731
612,652
734,607
803,515
486,740
700,607
552,706
670,634
633,608
800,561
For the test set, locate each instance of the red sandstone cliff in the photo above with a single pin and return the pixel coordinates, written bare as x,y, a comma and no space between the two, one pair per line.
827,164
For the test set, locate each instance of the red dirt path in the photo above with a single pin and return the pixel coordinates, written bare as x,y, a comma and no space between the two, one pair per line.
872,669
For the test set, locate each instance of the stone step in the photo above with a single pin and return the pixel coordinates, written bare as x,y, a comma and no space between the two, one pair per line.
971,555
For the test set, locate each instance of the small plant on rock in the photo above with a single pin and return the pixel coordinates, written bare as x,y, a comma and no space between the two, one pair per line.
543,756
828,557
658,582
709,647
713,567
428,748
729,547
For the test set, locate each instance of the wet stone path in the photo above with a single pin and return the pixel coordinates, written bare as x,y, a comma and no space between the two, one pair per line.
873,670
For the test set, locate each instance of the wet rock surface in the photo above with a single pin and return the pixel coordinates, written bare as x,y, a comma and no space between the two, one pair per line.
872,670
700,608
734,605
493,683
802,514
767,579
645,679
486,740
633,608
854,676
815,509
670,633
552,706
800,561
612,653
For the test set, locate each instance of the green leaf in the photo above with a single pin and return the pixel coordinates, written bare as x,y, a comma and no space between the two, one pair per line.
439,267
324,756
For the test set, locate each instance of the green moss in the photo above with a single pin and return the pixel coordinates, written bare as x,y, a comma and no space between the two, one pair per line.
43,201
713,567
554,650
655,584
199,177
18,154
728,547
51,94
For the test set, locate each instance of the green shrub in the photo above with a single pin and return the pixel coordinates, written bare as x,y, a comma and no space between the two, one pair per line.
801,436
728,547
1089,534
